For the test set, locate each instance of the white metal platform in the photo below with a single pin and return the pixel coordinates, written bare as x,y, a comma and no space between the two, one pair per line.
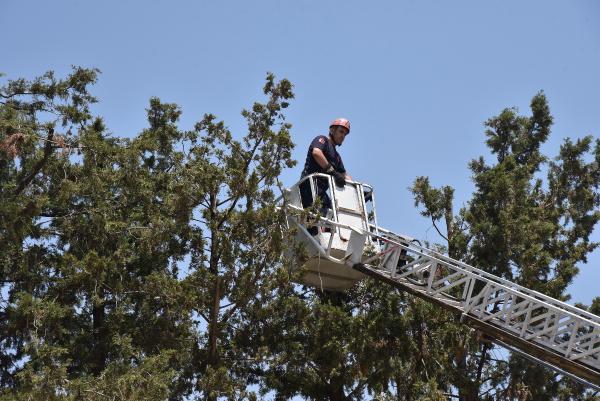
329,249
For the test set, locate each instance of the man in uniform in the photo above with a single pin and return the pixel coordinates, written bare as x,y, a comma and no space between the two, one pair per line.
322,157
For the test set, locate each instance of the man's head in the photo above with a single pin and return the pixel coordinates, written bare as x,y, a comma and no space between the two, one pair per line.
338,129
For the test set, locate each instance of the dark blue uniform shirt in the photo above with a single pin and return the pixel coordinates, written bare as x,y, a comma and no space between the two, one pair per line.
328,148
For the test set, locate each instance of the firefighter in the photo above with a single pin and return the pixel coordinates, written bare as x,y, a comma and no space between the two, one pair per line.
322,157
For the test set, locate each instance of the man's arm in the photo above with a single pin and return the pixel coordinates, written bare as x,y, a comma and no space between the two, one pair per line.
320,158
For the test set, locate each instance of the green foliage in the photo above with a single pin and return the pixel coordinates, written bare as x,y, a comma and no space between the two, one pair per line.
112,249
154,267
371,341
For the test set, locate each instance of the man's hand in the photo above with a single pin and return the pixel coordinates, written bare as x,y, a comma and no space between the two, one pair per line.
339,178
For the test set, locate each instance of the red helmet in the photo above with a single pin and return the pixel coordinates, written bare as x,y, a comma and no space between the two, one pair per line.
341,122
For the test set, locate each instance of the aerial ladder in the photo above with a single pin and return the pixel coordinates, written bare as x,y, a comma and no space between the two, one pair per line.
350,246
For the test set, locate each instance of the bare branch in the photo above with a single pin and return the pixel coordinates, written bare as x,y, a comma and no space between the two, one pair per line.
438,230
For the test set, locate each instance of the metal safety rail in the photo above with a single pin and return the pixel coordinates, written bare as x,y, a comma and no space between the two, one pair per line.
547,330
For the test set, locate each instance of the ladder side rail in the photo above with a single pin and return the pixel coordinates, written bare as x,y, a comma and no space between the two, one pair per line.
584,354
528,303
474,273
568,348
576,368
520,288
522,328
449,262
523,290
492,277
479,305
525,296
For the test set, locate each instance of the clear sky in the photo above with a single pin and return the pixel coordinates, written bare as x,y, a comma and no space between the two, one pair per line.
417,79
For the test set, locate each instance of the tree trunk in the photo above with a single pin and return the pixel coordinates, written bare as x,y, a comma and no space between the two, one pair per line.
213,352
213,324
336,389
468,390
213,332
449,218
98,352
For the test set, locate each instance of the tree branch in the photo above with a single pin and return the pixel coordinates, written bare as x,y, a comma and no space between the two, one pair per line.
202,315
38,166
484,352
438,230
23,93
246,167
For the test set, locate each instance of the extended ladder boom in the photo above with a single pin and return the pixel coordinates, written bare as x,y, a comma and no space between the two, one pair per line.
561,335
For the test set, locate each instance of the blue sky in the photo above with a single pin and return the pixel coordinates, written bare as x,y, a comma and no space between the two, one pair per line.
417,79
